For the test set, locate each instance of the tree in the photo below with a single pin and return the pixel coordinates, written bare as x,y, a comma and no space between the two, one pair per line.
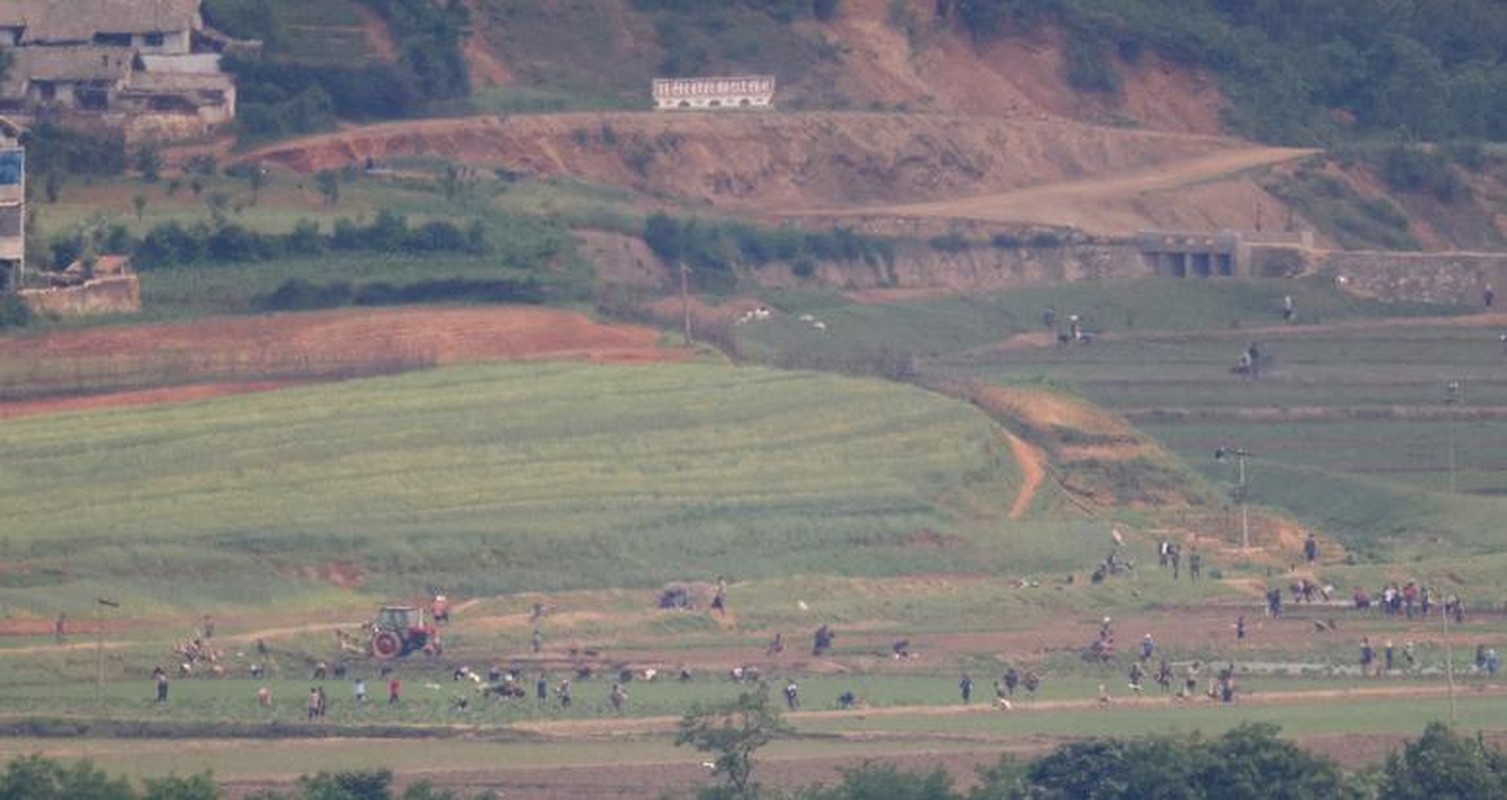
173,787
1444,766
882,781
328,182
372,785
149,162
733,732
37,778
1250,762
256,178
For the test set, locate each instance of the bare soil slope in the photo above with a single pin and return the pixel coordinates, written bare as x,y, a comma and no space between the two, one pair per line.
354,338
782,161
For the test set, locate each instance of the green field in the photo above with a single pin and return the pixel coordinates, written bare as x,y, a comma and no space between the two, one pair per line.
492,479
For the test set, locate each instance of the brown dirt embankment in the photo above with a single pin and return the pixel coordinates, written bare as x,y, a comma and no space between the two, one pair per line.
785,162
199,355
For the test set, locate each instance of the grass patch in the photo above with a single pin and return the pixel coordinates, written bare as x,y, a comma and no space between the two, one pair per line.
473,478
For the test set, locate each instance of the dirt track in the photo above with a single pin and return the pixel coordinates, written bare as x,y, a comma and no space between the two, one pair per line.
1030,460
1104,205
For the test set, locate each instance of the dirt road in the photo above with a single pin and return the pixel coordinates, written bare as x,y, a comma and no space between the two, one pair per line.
1103,205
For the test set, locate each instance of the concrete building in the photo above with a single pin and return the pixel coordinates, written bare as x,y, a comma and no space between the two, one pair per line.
127,65
1225,254
752,91
12,206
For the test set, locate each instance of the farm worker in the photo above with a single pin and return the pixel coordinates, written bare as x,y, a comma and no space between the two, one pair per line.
618,696
1493,662
1367,656
563,690
965,688
537,640
60,627
209,627
313,703
160,675
264,697
719,597
792,696
1488,296
1012,679
1288,310
1136,675
1310,548
541,688
1240,628
1190,680
394,691
360,691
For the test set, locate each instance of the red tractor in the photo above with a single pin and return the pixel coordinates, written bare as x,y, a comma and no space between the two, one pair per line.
400,630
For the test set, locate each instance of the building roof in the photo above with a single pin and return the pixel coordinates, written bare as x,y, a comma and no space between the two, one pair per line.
78,20
153,82
71,63
194,63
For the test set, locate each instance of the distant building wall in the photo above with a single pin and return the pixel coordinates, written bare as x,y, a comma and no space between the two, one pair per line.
751,91
1226,254
109,294
1424,277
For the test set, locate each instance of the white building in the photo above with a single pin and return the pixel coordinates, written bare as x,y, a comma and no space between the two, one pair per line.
750,91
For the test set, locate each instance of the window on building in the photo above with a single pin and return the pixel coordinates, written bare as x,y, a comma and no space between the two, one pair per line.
92,98
153,40
113,39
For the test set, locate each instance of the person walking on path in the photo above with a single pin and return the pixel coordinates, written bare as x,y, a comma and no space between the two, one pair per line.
965,687
160,676
394,691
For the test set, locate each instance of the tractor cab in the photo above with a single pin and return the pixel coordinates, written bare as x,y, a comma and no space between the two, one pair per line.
400,630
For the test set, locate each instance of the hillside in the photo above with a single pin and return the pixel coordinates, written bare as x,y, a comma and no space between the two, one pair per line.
889,105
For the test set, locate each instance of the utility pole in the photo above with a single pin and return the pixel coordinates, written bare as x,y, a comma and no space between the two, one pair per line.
1449,660
685,301
1241,454
99,650
1245,513
1454,394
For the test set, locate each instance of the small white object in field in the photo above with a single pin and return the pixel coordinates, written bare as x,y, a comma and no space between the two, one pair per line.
802,604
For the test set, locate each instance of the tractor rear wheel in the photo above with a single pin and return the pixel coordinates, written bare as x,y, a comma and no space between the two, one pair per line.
387,644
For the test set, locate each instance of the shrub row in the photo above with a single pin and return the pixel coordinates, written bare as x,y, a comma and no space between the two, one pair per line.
302,295
175,244
716,249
